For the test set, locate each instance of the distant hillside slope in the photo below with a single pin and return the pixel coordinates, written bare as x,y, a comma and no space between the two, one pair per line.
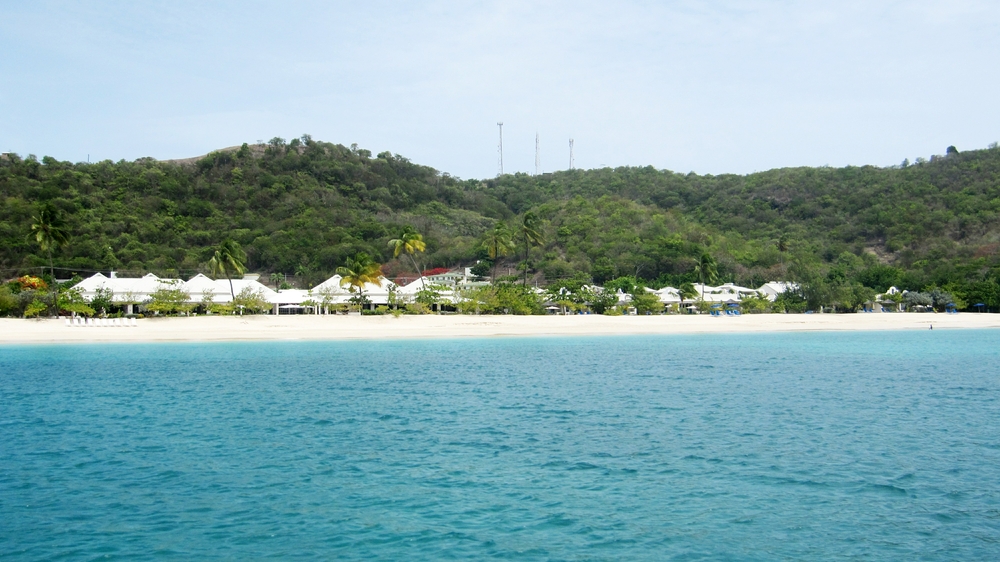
304,206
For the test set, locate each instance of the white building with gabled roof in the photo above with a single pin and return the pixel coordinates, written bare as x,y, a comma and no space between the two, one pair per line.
124,289
772,289
202,288
667,295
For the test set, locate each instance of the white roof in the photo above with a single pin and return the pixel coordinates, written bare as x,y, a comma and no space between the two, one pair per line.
121,287
777,287
732,287
200,285
668,295
377,293
413,287
294,296
331,283
772,289
140,288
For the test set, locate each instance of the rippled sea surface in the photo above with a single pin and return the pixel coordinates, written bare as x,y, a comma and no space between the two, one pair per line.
815,446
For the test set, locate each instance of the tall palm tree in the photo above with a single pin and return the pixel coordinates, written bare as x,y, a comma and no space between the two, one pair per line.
707,271
686,291
49,230
409,243
498,243
359,270
228,259
782,248
530,235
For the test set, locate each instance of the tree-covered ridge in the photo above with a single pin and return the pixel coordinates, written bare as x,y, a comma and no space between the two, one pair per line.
304,207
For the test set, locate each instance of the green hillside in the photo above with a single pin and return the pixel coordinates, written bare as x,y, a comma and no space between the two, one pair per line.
303,207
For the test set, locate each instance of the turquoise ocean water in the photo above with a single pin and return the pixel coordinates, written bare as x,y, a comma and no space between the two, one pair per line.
809,446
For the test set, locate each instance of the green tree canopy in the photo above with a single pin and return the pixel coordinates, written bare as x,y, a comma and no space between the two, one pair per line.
228,260
48,228
498,242
360,269
409,242
530,235
707,271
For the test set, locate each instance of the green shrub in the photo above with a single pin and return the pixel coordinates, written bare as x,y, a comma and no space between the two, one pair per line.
645,302
35,308
169,301
8,302
417,308
253,302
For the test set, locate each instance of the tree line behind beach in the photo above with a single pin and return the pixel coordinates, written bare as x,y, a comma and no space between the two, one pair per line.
305,208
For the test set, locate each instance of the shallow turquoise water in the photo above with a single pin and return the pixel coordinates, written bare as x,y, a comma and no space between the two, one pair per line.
870,446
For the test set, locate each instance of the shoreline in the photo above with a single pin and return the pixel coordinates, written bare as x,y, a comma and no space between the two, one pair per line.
304,328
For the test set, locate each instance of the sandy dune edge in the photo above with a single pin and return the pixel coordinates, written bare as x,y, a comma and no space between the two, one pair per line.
218,328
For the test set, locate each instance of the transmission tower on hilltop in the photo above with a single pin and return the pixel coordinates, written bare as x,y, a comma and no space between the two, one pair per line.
500,150
570,154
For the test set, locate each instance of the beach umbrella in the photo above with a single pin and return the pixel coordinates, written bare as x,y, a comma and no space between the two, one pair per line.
980,306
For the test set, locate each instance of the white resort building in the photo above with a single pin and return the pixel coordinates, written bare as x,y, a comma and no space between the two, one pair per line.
131,291
321,299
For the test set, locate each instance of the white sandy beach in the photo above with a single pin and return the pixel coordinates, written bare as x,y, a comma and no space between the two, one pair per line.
232,328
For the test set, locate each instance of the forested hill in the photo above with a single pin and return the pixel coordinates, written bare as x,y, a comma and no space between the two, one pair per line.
304,206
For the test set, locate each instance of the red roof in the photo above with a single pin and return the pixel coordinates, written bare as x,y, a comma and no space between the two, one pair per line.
436,271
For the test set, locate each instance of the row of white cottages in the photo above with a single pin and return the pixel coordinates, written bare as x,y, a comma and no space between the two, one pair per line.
133,290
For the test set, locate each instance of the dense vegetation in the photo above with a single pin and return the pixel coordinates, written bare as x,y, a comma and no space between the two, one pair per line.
304,207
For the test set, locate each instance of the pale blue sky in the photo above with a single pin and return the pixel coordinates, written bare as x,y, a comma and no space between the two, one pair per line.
710,87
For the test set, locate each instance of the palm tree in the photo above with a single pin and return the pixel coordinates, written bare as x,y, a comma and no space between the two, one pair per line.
276,279
49,230
531,237
707,271
303,272
686,291
228,259
409,242
498,243
359,270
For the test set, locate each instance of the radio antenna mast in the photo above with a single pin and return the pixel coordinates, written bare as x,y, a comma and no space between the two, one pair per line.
500,149
570,154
